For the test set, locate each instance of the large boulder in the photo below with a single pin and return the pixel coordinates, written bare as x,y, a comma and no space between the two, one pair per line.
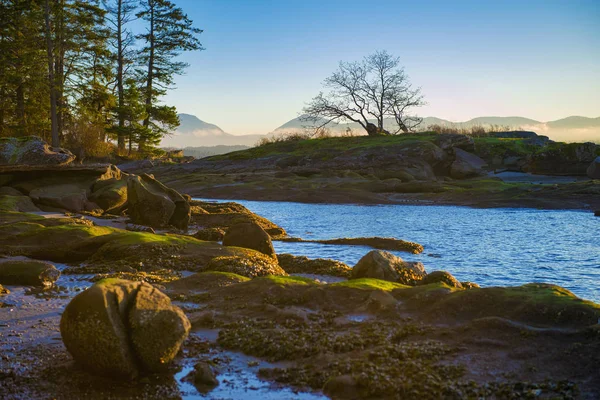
250,236
123,329
32,150
593,171
383,265
152,203
28,273
466,165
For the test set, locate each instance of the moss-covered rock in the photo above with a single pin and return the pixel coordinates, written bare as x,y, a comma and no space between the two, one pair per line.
122,328
28,273
386,266
17,203
441,276
32,150
534,303
249,235
320,266
210,234
252,266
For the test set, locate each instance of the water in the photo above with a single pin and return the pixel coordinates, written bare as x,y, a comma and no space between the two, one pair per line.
492,247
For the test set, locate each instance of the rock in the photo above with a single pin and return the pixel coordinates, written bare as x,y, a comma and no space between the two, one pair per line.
139,228
210,234
514,135
470,285
597,213
342,387
32,150
152,203
539,141
110,194
3,290
28,273
466,165
9,191
203,377
386,266
249,235
320,266
123,329
563,159
17,203
593,171
251,266
67,196
441,276
447,141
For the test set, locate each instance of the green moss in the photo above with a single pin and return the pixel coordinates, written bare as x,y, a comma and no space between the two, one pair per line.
289,280
534,303
370,284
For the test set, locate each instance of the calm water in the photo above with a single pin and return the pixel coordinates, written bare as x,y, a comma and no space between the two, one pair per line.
488,246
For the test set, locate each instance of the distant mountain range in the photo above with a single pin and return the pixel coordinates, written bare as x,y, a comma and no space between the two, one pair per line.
194,132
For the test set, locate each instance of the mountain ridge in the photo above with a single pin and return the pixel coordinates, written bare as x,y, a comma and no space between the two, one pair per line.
194,132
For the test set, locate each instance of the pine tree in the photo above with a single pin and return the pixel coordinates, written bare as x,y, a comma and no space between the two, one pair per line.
119,14
23,84
169,33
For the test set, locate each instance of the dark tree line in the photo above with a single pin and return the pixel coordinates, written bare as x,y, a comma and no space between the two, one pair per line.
75,72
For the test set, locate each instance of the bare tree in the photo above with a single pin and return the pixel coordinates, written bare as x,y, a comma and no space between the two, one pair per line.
368,92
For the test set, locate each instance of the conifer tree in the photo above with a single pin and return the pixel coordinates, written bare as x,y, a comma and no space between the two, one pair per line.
169,33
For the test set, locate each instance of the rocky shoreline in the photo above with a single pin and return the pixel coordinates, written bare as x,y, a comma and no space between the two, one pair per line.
445,169
195,302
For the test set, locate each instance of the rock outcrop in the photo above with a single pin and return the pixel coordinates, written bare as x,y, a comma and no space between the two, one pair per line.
32,150
388,267
249,235
123,329
152,203
593,171
466,165
28,273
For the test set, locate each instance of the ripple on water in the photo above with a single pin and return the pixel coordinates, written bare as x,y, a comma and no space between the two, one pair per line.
493,247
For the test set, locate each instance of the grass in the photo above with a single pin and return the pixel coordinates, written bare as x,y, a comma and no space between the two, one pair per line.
311,146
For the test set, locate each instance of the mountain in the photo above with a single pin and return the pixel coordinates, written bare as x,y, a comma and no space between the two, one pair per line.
570,129
193,132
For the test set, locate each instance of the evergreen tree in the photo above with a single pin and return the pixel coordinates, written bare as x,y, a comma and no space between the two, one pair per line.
23,84
169,33
121,41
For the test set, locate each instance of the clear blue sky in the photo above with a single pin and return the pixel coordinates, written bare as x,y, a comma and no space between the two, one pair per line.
265,59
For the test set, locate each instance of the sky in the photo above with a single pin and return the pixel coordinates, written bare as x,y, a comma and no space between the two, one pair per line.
265,59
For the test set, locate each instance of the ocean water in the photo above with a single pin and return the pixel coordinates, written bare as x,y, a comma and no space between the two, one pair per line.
492,247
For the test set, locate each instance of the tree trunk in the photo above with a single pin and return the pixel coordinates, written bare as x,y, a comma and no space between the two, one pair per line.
50,53
150,77
21,109
121,116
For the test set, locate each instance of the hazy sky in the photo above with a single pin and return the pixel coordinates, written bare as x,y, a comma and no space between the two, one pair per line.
265,59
